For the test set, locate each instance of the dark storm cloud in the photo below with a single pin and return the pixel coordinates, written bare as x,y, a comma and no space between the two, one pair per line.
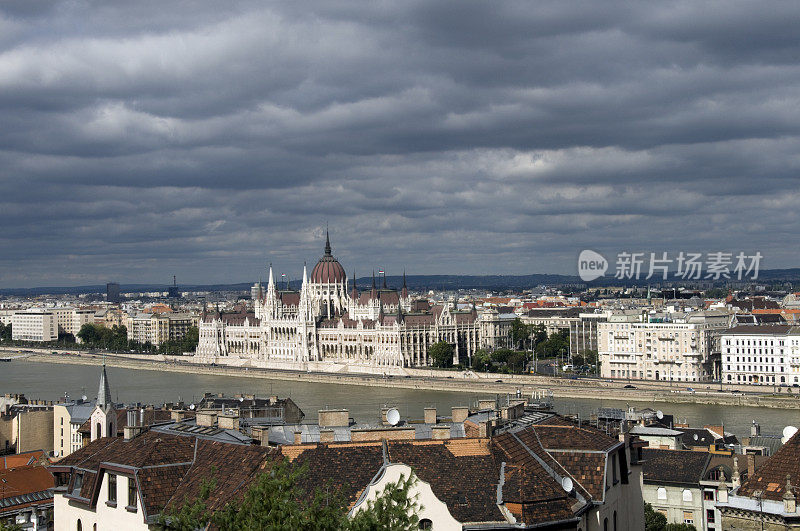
142,139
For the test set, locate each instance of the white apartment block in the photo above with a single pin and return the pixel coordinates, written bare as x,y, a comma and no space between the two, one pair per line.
34,324
761,354
669,347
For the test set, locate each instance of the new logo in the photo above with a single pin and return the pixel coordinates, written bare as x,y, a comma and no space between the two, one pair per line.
591,265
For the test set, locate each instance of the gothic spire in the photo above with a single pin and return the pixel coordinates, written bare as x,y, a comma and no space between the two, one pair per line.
327,243
384,281
104,391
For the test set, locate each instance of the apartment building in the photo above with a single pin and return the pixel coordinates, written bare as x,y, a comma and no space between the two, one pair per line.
673,346
761,354
67,420
34,324
159,328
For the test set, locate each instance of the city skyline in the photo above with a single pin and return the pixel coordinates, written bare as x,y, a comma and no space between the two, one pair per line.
462,138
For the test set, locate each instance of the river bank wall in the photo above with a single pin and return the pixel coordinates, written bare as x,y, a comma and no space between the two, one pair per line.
425,379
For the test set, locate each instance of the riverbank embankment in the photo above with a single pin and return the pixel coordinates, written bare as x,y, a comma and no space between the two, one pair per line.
653,394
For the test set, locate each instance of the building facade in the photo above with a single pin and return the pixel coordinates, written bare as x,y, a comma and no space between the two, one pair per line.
34,325
678,349
329,325
761,354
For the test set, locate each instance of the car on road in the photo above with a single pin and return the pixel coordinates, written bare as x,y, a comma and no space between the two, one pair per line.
690,389
629,386
498,381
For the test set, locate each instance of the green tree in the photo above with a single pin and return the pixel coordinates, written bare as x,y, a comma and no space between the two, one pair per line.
653,520
441,354
5,332
276,501
680,527
520,333
481,360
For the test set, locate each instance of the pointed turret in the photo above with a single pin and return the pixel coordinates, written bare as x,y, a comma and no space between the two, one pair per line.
327,243
354,293
404,292
373,284
271,281
104,391
384,282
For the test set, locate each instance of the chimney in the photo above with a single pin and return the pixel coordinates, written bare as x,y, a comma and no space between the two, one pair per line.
736,479
459,413
329,418
177,415
141,417
430,415
751,466
206,418
298,437
131,432
326,435
487,403
132,418
755,429
228,422
440,432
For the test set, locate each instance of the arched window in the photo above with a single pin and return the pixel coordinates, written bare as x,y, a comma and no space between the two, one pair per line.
80,526
99,430
605,524
687,495
615,520
426,523
662,493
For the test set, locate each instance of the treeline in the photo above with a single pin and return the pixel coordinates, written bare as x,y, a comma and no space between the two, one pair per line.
116,338
523,340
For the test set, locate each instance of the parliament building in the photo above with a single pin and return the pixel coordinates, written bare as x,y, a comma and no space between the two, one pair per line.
331,325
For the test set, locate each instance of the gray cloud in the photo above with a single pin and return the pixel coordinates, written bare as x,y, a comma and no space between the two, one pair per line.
144,139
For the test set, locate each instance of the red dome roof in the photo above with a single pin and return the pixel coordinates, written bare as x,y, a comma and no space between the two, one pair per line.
328,270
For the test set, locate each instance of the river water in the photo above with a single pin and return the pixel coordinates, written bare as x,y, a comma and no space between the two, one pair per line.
51,381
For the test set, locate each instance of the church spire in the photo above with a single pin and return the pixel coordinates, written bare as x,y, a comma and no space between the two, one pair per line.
327,243
104,391
404,291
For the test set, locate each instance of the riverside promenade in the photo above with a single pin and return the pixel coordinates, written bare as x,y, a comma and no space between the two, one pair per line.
453,381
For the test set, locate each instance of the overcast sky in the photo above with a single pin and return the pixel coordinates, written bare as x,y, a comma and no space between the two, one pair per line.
144,139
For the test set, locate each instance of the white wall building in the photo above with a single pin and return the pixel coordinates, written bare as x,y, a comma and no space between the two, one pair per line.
34,324
761,354
675,347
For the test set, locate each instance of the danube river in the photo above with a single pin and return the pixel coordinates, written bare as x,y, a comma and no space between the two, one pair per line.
51,381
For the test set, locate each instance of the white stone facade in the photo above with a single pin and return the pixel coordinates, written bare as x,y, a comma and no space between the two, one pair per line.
325,327
671,351
765,355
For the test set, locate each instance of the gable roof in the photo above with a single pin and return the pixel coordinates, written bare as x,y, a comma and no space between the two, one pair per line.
770,478
673,467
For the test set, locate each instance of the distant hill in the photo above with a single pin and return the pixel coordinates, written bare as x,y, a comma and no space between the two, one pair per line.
414,282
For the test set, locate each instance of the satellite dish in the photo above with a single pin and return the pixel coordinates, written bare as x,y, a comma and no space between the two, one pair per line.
393,417
695,437
84,398
566,484
241,399
788,433
192,406
659,414
55,453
